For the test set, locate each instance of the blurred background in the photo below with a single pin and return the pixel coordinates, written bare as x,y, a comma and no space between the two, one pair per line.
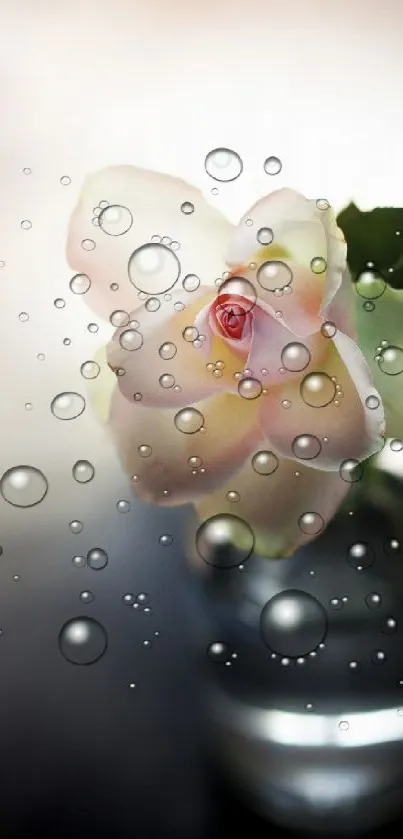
119,747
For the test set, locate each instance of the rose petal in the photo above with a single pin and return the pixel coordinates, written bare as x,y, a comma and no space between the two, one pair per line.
346,428
153,202
182,363
340,310
273,504
231,433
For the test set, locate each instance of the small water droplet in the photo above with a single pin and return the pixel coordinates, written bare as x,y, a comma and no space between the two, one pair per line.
87,597
392,547
317,390
265,462
318,265
336,603
223,164
88,244
93,328
389,626
26,224
187,208
360,556
97,559
233,496
306,446
79,561
82,640
167,350
272,165
344,725
67,405
351,471
373,600
378,657
189,420
274,274
293,623
131,340
328,329
396,445
191,282
115,220
311,523
322,204
250,388
23,317
83,471
265,236
76,526
65,180
295,357
80,283
224,541
90,370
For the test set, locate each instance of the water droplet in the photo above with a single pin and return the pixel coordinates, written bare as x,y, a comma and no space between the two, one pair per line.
223,164
97,559
153,268
378,657
370,284
79,561
115,220
87,597
218,652
114,286
166,380
344,725
265,462
23,317
132,685
128,599
23,486
293,623
336,603
392,547
396,445
191,282
353,666
88,244
295,357
236,287
233,496
224,541
144,450
59,303
273,275
306,446
90,370
67,406
372,402
250,388
83,471
368,306
131,340
82,640
80,283
123,506
311,523
76,526
120,318
66,342
328,329
351,471
318,390
26,224
166,540
272,165
187,208
373,600
167,350
190,333
391,361
189,420
152,304
27,170
265,236
318,265
389,626
322,204
360,556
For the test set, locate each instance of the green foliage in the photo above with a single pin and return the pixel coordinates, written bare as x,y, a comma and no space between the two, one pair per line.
375,236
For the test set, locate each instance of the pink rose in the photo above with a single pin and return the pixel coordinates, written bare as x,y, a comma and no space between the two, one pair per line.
239,385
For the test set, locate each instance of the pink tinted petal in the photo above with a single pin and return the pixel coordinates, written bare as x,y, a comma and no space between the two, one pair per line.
297,308
273,505
341,310
160,360
345,426
152,448
150,206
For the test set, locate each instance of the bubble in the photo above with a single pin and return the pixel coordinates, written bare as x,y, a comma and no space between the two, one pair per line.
373,600
370,284
191,282
194,462
306,446
90,370
295,357
392,547
318,265
23,317
272,165
378,657
128,599
144,450
114,286
396,445
318,390
328,329
250,388
336,603
273,275
153,268
65,180
189,420
67,405
79,561
119,318
360,556
351,471
87,597
40,356
76,526
166,540
391,360
344,725
372,402
224,541
167,350
115,220
187,208
190,333
88,244
27,170
368,306
59,303
83,471
23,486
80,283
131,340
26,224
265,236
218,652
265,462
123,506
322,204
223,164
236,287
293,623
389,626
97,559
311,523
82,640
66,342
233,496
353,666
167,380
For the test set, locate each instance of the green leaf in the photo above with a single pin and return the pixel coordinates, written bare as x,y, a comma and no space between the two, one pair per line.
374,237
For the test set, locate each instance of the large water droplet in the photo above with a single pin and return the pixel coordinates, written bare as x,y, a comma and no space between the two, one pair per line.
273,275
311,523
224,541
119,318
68,405
318,390
115,220
223,164
265,462
191,282
90,369
293,623
351,471
97,559
306,446
23,486
250,388
272,165
391,360
237,287
83,471
153,268
131,340
295,357
265,236
83,640
189,420
80,283
167,350
370,284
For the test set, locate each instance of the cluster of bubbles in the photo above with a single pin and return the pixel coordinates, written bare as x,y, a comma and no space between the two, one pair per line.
389,358
219,653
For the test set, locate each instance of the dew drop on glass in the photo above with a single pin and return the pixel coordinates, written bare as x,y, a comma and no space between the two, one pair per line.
187,208
191,282
306,446
131,340
328,329
293,623
83,471
153,268
115,220
373,600
391,360
189,420
318,390
224,541
249,388
166,540
67,405
351,471
223,164
90,369
274,274
80,283
97,559
311,523
295,357
79,561
218,652
23,486
360,555
86,597
83,640
265,462
272,165
265,236
370,285
76,526
318,265
167,350
119,318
